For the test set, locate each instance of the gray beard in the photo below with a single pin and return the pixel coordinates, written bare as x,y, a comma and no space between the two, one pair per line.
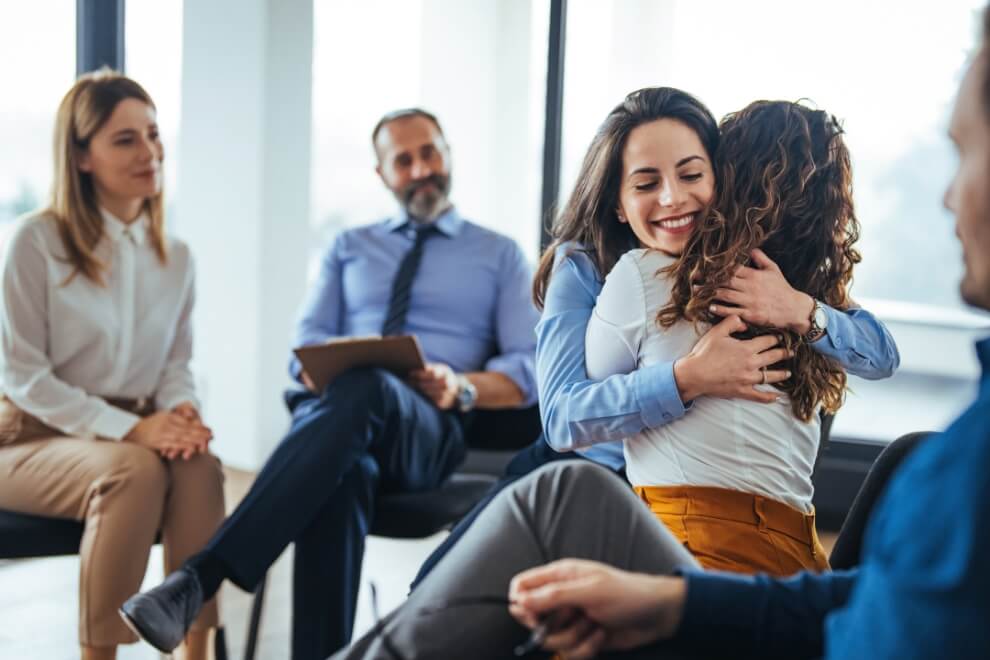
427,207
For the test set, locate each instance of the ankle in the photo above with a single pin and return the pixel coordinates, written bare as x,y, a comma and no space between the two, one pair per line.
209,570
98,652
197,645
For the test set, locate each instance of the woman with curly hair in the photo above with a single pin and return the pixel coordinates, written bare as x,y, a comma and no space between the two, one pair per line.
647,180
732,480
652,161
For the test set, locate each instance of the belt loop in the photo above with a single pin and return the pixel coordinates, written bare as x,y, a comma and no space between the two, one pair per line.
641,493
761,517
809,522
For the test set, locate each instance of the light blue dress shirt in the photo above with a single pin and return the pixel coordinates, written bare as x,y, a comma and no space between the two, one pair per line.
594,416
470,306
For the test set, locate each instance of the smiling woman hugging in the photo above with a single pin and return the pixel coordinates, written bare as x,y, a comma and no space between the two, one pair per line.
732,480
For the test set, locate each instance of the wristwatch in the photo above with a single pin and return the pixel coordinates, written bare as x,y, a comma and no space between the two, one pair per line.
467,395
819,323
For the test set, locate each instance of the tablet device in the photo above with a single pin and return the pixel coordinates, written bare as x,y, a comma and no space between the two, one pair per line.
324,362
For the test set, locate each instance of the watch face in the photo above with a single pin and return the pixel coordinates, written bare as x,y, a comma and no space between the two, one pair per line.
821,318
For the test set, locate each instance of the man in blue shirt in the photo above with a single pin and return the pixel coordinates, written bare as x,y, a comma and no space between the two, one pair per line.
464,292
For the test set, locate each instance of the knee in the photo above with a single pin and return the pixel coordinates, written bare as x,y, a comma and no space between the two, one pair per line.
577,482
202,474
137,470
375,389
576,474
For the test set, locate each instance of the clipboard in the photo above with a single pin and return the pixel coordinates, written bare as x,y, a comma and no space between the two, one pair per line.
324,362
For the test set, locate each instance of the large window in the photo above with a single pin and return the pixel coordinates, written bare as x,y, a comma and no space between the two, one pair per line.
38,48
478,65
889,71
153,53
886,69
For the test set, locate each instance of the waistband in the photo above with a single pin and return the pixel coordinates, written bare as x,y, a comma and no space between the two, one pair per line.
725,504
142,406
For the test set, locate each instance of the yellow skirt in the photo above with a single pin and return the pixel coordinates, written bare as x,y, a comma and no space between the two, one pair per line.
739,532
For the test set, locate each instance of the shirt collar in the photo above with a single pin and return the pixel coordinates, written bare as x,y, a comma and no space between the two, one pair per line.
116,229
449,223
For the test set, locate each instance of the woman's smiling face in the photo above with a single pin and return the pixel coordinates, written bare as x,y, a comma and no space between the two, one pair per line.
667,180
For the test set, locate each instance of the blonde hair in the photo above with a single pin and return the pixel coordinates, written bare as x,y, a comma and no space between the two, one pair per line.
83,111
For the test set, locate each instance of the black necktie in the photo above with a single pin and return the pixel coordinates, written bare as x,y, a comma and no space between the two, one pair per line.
398,304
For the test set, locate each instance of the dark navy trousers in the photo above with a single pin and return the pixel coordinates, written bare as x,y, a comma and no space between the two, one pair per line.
369,433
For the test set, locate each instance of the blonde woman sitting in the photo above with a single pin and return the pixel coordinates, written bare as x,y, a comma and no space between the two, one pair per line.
99,419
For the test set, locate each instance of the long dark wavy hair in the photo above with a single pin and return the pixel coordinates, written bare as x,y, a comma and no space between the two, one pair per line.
589,217
784,186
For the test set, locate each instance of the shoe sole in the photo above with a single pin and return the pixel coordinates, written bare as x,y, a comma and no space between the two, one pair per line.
136,629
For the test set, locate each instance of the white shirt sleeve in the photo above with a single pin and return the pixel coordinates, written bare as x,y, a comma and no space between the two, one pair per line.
617,326
177,384
26,371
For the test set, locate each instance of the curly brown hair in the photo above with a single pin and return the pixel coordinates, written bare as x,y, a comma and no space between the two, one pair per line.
785,186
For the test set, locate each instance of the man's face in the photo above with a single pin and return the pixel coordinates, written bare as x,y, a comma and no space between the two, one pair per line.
414,163
968,195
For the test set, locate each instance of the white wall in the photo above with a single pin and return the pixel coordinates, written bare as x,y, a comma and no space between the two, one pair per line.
244,206
484,100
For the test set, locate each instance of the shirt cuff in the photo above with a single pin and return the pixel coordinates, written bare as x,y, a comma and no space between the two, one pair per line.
656,393
832,340
520,370
718,601
295,369
169,401
113,423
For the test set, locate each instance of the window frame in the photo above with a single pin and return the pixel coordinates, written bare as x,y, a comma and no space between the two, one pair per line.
99,35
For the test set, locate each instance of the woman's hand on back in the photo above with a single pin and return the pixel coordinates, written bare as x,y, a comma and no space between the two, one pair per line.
762,296
723,366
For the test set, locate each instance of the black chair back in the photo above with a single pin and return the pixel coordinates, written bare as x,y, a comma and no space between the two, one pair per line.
849,543
504,430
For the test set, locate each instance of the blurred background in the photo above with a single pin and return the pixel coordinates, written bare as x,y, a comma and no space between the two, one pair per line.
266,109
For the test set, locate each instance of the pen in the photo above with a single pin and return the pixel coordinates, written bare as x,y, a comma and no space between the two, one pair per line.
536,639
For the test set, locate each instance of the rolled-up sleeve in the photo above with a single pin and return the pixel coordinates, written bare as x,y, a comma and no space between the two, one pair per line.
515,320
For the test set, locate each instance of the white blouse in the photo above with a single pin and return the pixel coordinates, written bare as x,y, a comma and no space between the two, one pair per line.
727,443
65,346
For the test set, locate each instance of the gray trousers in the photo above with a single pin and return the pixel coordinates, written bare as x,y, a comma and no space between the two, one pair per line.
570,509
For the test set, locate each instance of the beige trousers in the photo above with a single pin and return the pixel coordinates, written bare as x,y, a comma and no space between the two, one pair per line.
125,494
